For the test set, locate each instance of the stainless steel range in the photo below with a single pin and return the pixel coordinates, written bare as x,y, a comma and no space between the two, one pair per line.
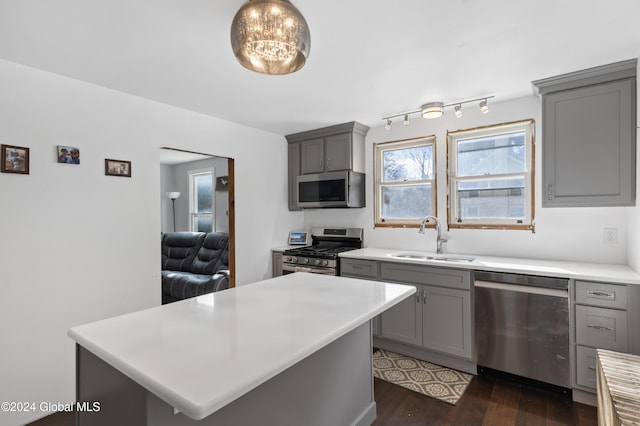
321,257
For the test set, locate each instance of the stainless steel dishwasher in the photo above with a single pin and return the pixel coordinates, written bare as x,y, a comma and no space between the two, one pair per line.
522,326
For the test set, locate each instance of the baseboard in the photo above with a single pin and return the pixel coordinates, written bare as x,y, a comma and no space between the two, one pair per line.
444,360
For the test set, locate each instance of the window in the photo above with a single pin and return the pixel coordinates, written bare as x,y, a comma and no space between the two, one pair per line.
491,177
405,181
201,200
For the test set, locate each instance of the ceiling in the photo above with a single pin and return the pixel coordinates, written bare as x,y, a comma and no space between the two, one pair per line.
368,58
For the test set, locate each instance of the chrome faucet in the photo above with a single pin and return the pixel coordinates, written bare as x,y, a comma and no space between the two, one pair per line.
439,239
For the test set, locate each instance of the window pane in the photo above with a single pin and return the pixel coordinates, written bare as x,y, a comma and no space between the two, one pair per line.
492,155
204,193
203,224
406,202
408,164
491,198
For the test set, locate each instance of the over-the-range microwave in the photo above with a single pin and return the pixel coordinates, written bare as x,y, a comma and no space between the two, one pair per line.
332,189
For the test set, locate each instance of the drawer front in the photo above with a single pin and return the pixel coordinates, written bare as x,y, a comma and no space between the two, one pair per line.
416,274
586,366
359,268
601,294
601,328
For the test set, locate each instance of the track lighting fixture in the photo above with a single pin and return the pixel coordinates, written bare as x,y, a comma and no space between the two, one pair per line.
432,110
436,109
484,107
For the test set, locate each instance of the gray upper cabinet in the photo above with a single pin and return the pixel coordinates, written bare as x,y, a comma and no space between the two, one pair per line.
293,152
589,137
339,147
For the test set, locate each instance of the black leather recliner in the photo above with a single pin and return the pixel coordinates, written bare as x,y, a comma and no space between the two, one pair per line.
194,263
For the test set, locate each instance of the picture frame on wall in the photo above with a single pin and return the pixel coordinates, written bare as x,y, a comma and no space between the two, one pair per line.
15,159
120,168
68,154
222,183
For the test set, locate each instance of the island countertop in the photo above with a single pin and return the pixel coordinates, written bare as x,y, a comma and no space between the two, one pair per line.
554,268
200,354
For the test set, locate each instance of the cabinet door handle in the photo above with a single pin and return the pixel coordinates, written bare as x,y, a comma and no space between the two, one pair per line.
418,296
424,297
596,293
591,368
549,192
599,327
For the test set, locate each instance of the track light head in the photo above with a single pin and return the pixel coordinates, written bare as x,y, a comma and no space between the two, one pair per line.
406,121
458,110
388,125
484,107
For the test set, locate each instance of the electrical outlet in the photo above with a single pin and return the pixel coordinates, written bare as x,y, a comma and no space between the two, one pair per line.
610,235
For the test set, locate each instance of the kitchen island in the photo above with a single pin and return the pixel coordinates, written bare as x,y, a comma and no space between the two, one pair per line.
290,350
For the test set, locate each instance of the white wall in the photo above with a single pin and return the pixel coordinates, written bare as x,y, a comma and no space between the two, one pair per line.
561,233
78,246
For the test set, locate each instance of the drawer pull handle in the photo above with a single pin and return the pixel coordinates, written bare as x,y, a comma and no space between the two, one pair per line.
591,368
357,267
599,327
600,294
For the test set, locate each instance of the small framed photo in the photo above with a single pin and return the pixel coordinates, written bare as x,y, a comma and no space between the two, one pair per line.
15,159
222,183
68,154
117,168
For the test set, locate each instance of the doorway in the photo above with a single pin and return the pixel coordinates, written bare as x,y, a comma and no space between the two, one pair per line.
197,194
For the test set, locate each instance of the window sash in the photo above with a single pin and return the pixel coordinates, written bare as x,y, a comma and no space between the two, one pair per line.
380,185
456,198
196,212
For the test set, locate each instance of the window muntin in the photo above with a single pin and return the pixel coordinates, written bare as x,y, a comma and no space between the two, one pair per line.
201,201
491,176
405,181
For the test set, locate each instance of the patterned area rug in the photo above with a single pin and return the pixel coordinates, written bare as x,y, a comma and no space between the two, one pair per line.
428,379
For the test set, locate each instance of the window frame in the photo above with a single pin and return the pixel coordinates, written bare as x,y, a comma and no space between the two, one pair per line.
378,150
453,137
193,215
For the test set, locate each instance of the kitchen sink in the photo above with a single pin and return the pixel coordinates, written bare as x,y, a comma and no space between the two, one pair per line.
442,258
412,256
455,259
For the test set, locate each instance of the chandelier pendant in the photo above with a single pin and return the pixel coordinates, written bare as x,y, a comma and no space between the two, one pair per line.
270,37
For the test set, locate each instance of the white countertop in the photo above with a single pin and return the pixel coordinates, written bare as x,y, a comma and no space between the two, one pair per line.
200,354
562,269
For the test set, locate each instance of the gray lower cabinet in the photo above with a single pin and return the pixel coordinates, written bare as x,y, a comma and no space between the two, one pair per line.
276,262
438,317
601,321
403,322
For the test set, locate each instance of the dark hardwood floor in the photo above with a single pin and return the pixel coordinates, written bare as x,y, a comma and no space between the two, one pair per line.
488,402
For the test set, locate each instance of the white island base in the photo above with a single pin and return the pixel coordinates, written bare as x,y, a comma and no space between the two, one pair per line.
294,350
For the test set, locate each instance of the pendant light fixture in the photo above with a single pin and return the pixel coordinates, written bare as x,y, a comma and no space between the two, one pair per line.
270,37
